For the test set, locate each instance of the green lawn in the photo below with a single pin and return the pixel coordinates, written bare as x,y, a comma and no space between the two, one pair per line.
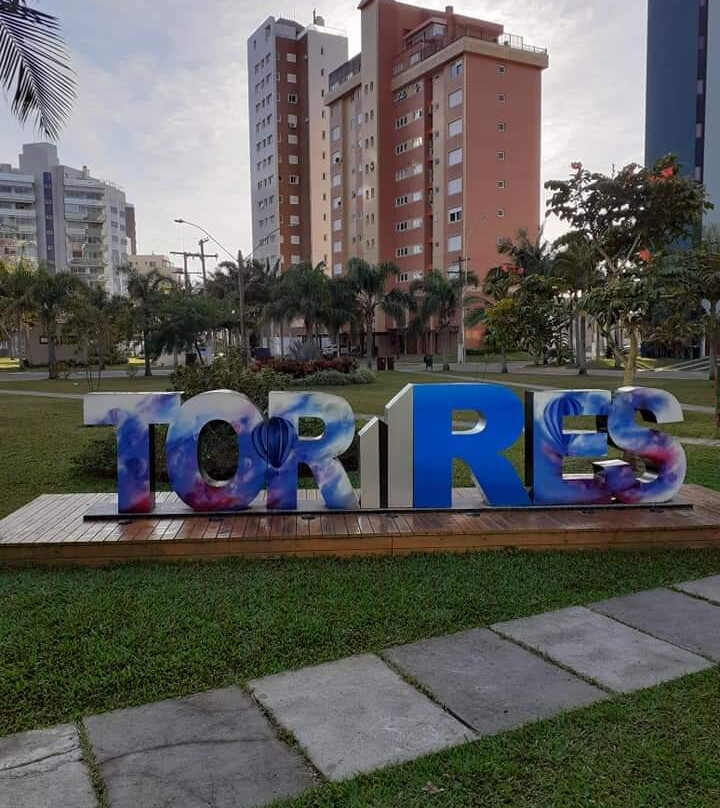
687,391
80,641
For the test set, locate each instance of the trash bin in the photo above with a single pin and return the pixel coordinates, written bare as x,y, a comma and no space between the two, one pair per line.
391,363
381,363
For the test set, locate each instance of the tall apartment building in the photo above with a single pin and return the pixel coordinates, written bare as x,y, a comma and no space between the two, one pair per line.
683,89
63,217
288,68
434,142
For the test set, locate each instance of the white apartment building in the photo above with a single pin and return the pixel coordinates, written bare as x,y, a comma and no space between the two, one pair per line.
64,218
288,68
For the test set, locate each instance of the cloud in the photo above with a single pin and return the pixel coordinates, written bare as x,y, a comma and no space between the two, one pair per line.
162,107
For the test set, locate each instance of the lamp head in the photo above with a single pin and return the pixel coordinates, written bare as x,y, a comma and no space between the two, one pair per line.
180,221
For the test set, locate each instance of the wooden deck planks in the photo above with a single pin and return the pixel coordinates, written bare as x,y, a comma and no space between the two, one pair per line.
51,530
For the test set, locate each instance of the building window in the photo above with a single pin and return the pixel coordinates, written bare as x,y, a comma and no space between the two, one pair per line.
501,155
294,239
455,215
501,183
455,186
335,133
293,159
294,200
292,140
501,97
292,121
501,126
700,86
698,130
294,179
455,157
502,70
336,180
337,246
455,98
455,127
337,224
454,244
456,69
292,98
500,213
294,220
291,57
292,78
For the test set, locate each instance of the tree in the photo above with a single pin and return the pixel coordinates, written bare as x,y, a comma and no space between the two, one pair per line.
496,311
145,291
341,307
51,299
34,69
181,321
369,282
629,217
305,292
702,285
576,267
99,321
441,297
15,306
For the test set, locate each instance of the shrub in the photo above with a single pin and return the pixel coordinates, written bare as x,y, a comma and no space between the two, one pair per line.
98,457
228,373
324,378
363,376
299,370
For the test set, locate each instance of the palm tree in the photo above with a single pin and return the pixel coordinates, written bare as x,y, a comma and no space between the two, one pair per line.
144,291
577,267
51,298
369,282
341,309
34,68
532,255
440,297
256,279
305,291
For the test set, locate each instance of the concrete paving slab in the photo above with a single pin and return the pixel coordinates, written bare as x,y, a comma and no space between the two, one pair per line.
688,622
211,749
356,715
490,683
708,588
595,646
44,769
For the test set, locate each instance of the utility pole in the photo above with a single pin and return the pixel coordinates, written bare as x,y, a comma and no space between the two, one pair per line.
202,255
202,260
462,269
241,297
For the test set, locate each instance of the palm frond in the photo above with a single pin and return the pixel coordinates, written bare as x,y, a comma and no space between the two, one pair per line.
34,67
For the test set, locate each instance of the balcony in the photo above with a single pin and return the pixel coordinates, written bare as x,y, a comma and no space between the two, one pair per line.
93,218
345,72
417,53
14,196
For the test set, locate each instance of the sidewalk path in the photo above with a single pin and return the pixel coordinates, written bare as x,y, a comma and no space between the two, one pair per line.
364,712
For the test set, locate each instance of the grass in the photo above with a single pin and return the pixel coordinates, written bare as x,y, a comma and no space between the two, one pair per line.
652,749
687,391
79,641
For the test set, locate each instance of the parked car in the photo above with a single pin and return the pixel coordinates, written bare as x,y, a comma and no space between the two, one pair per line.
330,350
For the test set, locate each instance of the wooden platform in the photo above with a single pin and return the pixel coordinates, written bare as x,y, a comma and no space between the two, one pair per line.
51,530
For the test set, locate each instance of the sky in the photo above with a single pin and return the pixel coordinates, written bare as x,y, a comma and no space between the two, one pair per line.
162,98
